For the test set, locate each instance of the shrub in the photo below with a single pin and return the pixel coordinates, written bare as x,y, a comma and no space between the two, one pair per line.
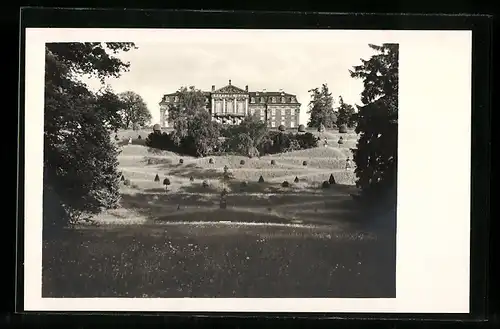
341,140
296,180
211,161
156,127
157,178
191,179
304,163
242,162
332,179
285,184
139,137
126,182
307,140
224,192
302,129
321,128
281,128
273,162
226,169
325,184
343,129
261,179
181,161
166,181
116,138
205,183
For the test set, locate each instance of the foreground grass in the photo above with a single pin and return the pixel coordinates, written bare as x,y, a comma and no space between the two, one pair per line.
218,260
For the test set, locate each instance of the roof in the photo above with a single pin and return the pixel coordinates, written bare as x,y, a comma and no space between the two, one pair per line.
269,93
230,89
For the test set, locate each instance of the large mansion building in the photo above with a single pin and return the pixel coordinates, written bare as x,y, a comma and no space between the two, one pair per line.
230,104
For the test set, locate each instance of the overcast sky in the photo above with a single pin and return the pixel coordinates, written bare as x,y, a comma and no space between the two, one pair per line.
294,66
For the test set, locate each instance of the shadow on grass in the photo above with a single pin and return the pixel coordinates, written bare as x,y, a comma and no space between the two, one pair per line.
250,263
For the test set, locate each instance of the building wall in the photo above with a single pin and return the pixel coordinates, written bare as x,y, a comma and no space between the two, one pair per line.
276,110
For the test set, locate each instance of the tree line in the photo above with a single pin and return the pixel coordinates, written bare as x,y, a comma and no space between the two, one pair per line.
323,114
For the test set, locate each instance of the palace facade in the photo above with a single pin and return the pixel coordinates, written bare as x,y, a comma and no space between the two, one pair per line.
230,104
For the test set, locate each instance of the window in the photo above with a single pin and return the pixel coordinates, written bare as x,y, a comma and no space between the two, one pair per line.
262,99
273,112
283,122
292,124
273,99
176,98
253,100
273,124
282,99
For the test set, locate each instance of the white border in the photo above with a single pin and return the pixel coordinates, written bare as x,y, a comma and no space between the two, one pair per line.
433,178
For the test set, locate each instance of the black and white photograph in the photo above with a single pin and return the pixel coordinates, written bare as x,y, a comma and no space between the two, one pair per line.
231,166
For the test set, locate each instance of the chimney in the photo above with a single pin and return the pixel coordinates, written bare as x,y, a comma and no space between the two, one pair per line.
213,88
246,88
229,81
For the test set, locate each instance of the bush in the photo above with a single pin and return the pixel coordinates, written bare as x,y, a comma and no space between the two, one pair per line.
302,129
211,161
281,128
285,184
166,181
307,140
226,168
157,178
261,179
156,127
321,128
304,163
343,129
273,162
126,182
242,162
332,179
341,140
191,179
224,192
139,137
325,184
205,183
296,180
116,138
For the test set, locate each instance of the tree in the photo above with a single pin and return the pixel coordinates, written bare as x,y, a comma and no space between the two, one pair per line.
248,135
345,114
321,108
376,153
80,160
134,112
191,101
194,130
202,134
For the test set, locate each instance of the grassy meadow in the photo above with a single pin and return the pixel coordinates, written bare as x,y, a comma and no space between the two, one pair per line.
270,241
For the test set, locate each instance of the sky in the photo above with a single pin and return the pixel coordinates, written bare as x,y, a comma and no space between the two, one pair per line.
295,66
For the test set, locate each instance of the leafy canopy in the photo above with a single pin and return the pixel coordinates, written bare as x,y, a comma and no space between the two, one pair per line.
135,113
80,161
321,108
377,123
